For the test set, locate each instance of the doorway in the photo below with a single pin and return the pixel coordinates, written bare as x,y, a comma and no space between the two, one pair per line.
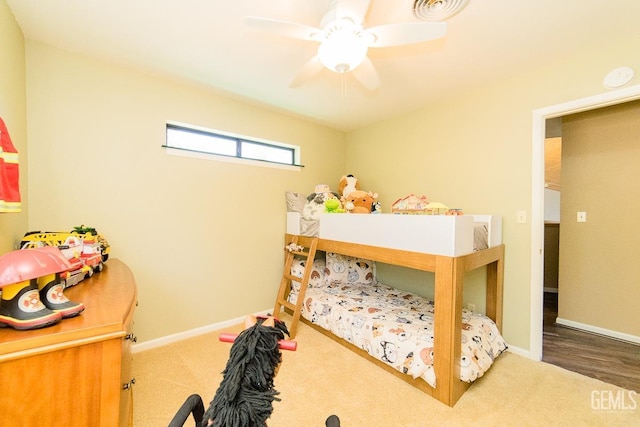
594,355
540,118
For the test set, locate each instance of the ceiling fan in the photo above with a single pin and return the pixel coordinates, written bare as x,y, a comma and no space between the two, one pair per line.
344,42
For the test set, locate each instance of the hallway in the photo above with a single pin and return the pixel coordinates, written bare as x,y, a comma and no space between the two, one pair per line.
609,360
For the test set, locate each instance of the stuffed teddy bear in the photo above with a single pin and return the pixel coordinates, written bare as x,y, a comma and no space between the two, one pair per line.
347,184
360,201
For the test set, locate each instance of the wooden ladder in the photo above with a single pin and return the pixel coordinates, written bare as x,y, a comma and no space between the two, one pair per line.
292,250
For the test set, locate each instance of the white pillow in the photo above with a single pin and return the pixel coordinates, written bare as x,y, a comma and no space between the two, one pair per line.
345,269
317,273
295,202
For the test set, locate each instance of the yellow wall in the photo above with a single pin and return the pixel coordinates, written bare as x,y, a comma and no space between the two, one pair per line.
599,283
203,238
13,111
473,151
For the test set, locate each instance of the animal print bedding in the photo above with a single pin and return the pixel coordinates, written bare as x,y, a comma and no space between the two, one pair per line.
397,327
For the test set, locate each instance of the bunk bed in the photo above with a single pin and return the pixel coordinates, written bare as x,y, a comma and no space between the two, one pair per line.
439,244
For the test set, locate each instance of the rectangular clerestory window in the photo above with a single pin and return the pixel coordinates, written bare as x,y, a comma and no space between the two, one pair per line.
211,142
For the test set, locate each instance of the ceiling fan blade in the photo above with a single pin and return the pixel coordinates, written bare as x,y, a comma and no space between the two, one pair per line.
366,74
406,33
308,70
285,28
356,10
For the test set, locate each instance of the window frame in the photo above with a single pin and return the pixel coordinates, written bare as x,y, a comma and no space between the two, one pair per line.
239,140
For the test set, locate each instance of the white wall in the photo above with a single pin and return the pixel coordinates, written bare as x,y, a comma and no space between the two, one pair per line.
551,205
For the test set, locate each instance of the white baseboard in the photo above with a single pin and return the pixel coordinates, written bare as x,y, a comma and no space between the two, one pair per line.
170,339
597,330
519,351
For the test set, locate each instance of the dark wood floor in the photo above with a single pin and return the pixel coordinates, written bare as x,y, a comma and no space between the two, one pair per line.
612,361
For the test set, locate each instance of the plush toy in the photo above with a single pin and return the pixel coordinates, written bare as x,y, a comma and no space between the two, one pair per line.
348,183
360,201
314,205
333,205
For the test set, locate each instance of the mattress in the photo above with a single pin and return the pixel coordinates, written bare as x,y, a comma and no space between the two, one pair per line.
393,326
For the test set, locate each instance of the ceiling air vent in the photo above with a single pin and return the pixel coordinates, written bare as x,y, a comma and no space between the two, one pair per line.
437,10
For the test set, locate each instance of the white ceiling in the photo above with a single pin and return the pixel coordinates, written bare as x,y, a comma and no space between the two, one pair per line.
206,41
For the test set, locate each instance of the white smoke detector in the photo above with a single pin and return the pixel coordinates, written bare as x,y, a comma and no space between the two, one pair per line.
618,77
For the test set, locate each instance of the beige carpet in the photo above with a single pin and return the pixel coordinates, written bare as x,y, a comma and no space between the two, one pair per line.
323,378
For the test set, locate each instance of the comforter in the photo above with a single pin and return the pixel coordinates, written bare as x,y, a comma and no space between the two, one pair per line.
397,327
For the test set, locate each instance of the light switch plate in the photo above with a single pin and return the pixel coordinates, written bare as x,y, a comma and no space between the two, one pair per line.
522,217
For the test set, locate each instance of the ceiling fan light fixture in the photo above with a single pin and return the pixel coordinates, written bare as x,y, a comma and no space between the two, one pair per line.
343,48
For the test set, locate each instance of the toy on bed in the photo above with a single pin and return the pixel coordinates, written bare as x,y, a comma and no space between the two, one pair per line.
410,205
437,208
360,201
315,203
333,205
355,200
347,184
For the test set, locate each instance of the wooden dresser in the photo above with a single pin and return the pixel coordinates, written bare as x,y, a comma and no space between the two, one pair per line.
77,372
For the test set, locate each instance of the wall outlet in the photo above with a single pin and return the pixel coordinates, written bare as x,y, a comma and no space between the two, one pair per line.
471,307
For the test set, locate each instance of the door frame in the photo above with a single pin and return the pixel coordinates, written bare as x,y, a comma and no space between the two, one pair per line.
540,116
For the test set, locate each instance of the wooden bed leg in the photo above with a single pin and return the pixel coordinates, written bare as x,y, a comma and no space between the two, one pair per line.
447,329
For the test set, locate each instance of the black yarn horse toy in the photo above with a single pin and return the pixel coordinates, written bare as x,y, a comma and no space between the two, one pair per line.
246,394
